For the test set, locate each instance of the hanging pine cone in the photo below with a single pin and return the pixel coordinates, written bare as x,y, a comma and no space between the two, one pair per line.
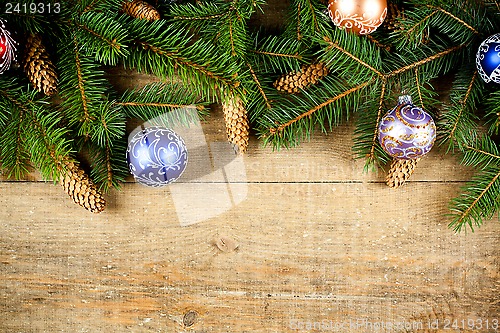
293,82
38,67
141,10
237,126
81,189
400,172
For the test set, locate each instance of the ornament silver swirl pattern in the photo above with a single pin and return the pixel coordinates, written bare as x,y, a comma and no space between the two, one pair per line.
365,25
146,154
484,48
407,132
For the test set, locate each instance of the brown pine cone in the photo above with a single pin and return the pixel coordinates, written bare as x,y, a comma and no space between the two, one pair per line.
400,172
141,10
394,12
38,67
81,189
293,82
237,125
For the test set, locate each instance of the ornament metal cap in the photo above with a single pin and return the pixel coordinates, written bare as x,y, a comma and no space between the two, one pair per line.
404,99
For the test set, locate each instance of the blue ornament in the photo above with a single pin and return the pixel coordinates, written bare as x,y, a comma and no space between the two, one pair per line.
156,156
488,59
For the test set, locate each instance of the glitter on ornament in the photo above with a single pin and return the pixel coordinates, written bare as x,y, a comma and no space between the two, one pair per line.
488,59
407,131
156,156
360,16
7,48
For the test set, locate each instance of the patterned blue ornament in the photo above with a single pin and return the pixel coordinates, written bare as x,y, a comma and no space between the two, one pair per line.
488,59
156,156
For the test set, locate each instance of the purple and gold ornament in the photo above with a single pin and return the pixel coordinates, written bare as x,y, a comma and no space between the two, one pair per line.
407,131
488,59
156,156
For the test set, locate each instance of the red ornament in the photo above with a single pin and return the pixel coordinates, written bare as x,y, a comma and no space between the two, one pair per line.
7,48
359,16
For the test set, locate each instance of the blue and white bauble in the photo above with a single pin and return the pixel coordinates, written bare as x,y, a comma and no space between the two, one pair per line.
156,156
488,59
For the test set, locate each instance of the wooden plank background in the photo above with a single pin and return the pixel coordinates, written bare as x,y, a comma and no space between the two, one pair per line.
314,241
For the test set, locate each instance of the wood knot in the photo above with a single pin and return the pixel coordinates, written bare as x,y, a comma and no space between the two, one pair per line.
226,243
189,318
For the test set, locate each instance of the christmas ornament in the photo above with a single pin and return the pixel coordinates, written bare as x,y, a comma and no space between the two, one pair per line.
141,10
156,156
38,66
488,59
237,126
407,131
81,189
294,81
360,16
7,48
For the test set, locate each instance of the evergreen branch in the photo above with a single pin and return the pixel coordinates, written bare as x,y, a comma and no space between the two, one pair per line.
465,24
479,201
304,20
104,37
493,106
457,119
481,152
425,61
277,54
259,86
371,156
14,157
418,88
157,99
463,103
420,23
350,55
281,127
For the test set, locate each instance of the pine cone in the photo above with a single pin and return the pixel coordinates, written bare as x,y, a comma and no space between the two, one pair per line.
394,12
237,126
81,189
294,81
400,172
38,67
141,10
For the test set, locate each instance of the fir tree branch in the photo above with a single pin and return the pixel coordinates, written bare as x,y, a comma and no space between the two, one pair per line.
479,202
259,86
426,60
349,54
371,156
465,24
309,113
451,134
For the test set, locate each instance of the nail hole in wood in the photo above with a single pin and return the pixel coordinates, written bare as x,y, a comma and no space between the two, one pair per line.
189,318
226,244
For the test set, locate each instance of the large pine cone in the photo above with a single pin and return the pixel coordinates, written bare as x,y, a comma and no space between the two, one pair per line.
237,125
81,189
293,82
141,10
38,67
400,172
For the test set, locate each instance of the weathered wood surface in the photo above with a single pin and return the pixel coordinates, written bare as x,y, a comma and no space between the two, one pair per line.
307,239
